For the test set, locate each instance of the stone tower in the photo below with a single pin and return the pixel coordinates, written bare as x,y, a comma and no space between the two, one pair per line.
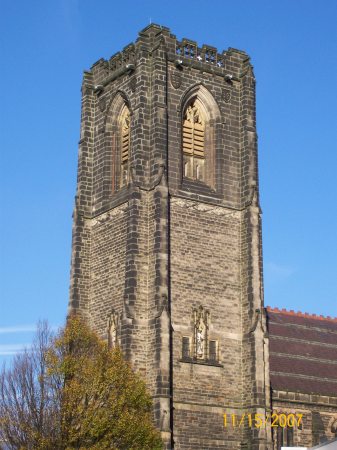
166,258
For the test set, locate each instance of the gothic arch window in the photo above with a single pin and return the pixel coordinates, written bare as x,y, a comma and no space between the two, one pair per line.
118,142
200,117
124,146
194,141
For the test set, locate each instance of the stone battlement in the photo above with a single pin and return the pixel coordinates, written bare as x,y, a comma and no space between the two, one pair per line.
301,314
186,51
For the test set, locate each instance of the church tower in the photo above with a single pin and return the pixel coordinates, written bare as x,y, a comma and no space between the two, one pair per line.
166,253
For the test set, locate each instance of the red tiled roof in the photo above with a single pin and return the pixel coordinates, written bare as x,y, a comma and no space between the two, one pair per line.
303,352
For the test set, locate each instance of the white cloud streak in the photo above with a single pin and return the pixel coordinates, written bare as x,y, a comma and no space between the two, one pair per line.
12,349
23,329
17,329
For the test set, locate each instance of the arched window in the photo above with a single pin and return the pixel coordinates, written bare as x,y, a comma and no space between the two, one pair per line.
194,142
124,145
118,143
201,120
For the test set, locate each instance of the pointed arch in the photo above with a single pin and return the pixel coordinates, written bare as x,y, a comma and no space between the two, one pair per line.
205,97
118,139
200,113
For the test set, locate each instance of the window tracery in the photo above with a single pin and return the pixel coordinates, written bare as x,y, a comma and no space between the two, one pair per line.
194,141
201,138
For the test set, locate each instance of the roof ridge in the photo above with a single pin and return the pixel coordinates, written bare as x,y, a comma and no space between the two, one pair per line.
301,314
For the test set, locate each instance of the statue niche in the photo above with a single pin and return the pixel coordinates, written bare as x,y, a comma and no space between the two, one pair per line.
201,319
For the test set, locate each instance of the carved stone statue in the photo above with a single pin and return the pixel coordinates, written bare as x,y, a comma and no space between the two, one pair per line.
200,343
200,332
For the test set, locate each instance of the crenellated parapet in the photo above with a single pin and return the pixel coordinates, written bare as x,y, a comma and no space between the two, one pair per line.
185,52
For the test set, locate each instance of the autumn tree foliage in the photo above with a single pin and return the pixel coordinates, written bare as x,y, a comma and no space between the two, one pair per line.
73,392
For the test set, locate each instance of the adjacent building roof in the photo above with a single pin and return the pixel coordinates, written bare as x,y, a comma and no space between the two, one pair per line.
303,352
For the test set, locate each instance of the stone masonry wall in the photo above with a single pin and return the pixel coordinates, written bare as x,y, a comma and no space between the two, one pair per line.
205,270
107,257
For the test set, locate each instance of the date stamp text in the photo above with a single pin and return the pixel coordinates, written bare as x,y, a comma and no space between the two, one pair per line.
259,420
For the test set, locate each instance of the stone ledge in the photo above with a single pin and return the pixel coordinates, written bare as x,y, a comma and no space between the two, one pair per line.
207,362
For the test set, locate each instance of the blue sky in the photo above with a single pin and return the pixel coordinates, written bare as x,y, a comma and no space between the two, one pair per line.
46,45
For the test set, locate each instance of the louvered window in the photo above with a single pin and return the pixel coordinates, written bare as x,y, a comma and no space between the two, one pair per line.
125,146
194,142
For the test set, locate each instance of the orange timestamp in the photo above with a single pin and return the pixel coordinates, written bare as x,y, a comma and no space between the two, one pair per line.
260,420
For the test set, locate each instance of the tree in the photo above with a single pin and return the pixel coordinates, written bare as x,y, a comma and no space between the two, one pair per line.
27,403
73,392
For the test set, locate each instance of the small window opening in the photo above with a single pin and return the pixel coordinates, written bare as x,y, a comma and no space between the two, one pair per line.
213,350
186,347
285,437
290,436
